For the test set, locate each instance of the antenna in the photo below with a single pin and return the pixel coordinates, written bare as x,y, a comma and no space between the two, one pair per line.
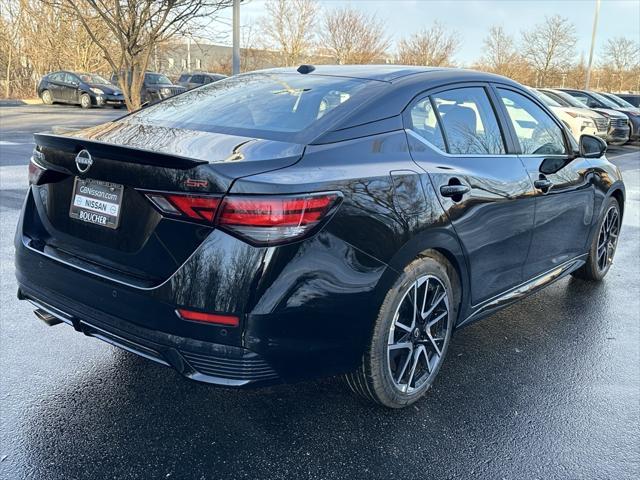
304,69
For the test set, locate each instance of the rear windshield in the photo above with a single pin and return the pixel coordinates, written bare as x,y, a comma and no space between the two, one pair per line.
265,105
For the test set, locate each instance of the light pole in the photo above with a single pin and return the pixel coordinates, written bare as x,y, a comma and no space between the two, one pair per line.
593,42
236,38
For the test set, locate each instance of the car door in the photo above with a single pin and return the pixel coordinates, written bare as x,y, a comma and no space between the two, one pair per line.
563,191
70,90
55,86
455,136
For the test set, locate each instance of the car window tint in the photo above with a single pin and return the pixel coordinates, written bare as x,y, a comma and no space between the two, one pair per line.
183,78
425,123
537,132
197,79
259,101
68,78
469,122
56,77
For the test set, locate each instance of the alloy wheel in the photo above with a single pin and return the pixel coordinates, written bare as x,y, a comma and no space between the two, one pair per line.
418,334
608,238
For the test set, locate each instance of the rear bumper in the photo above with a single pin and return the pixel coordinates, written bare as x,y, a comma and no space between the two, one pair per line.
305,310
203,361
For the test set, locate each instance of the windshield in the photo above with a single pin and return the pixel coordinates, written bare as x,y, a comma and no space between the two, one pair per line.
156,79
264,104
569,100
604,100
93,78
546,99
621,102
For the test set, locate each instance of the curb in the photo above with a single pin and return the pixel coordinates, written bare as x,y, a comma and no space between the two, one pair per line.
9,102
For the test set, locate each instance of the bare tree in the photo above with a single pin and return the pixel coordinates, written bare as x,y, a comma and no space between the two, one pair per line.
288,28
549,47
623,58
501,53
352,36
137,26
434,46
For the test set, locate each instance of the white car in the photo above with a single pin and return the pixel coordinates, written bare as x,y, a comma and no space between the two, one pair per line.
580,121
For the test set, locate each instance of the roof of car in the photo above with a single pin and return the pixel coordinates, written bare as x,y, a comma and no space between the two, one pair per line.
395,73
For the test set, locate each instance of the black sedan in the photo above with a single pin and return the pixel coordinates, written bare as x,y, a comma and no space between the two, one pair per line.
288,224
84,89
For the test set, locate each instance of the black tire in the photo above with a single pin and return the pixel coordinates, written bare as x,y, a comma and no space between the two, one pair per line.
375,379
599,262
85,101
46,97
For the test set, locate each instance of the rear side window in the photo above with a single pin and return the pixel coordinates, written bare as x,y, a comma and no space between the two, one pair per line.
197,79
264,103
469,122
537,132
425,123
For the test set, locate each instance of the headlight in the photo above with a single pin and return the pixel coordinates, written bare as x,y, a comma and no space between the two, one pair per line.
165,91
97,91
578,115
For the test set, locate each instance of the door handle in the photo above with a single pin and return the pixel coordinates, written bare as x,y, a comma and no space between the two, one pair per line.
543,184
453,190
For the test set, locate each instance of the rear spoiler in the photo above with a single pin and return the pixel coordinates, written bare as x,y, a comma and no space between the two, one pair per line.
112,151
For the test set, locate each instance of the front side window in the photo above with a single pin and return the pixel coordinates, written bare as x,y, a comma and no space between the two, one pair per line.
469,122
537,132
425,123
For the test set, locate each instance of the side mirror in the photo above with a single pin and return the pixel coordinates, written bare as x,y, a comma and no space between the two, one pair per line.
592,147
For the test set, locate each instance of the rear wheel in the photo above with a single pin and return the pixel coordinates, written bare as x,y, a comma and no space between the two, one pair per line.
603,246
46,97
411,335
85,100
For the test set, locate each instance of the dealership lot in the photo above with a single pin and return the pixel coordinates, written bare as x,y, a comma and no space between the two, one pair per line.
548,388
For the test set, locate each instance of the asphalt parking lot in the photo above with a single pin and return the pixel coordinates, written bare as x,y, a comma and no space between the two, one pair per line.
548,388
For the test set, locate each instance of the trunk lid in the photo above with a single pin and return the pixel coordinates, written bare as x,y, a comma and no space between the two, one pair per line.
145,247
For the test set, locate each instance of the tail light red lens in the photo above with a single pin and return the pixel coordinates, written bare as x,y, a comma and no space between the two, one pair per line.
259,220
36,171
196,207
265,220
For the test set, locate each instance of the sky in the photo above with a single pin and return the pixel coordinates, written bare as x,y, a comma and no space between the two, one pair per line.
472,18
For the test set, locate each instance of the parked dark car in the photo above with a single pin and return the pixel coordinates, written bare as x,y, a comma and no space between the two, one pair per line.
632,112
596,100
156,87
84,89
619,129
197,79
633,99
284,225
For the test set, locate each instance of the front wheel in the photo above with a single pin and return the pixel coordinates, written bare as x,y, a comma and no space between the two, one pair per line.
411,335
604,244
85,101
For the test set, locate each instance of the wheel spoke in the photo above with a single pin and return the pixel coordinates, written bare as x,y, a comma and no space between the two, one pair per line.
399,345
435,345
435,304
416,357
437,319
404,367
424,298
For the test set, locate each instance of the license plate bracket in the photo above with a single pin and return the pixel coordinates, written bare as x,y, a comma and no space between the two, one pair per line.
96,202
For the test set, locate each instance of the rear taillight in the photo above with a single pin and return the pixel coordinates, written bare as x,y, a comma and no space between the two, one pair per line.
260,220
36,170
265,220
201,208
